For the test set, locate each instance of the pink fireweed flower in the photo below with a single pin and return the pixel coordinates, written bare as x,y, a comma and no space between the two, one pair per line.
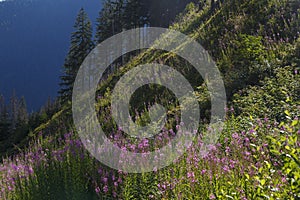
113,178
114,194
226,109
132,147
212,147
235,136
232,164
247,153
227,150
212,196
266,119
78,143
105,180
252,131
15,167
283,180
226,140
259,122
162,186
28,169
105,189
225,168
145,142
67,135
116,184
100,171
247,140
190,174
97,190
172,132
119,180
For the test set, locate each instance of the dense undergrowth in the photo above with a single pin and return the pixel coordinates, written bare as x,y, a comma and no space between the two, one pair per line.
257,161
257,48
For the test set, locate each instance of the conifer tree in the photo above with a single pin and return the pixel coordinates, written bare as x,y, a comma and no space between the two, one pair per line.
14,110
81,45
4,120
2,106
162,13
110,20
23,114
135,14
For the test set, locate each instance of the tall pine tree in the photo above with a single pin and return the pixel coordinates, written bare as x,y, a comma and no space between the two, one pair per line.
81,45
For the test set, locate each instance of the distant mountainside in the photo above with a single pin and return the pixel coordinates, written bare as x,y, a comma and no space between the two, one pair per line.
34,40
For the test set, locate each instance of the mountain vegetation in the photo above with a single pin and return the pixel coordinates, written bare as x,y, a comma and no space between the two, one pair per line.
81,46
256,46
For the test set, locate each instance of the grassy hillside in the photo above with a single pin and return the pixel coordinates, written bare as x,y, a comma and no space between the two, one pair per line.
256,46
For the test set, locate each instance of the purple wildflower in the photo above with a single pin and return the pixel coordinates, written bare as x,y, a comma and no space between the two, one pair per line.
97,190
105,189
212,196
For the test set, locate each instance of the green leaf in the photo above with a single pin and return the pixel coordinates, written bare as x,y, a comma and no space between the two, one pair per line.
268,164
295,122
262,182
247,176
287,113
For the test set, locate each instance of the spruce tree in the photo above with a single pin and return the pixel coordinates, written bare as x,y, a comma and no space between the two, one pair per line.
81,45
2,106
14,111
110,20
135,14
23,114
4,120
162,13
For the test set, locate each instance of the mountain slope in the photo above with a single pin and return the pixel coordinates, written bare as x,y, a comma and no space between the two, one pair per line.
256,46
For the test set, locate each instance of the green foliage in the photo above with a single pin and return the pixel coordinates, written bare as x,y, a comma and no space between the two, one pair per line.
285,148
141,186
110,20
257,49
81,45
276,96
